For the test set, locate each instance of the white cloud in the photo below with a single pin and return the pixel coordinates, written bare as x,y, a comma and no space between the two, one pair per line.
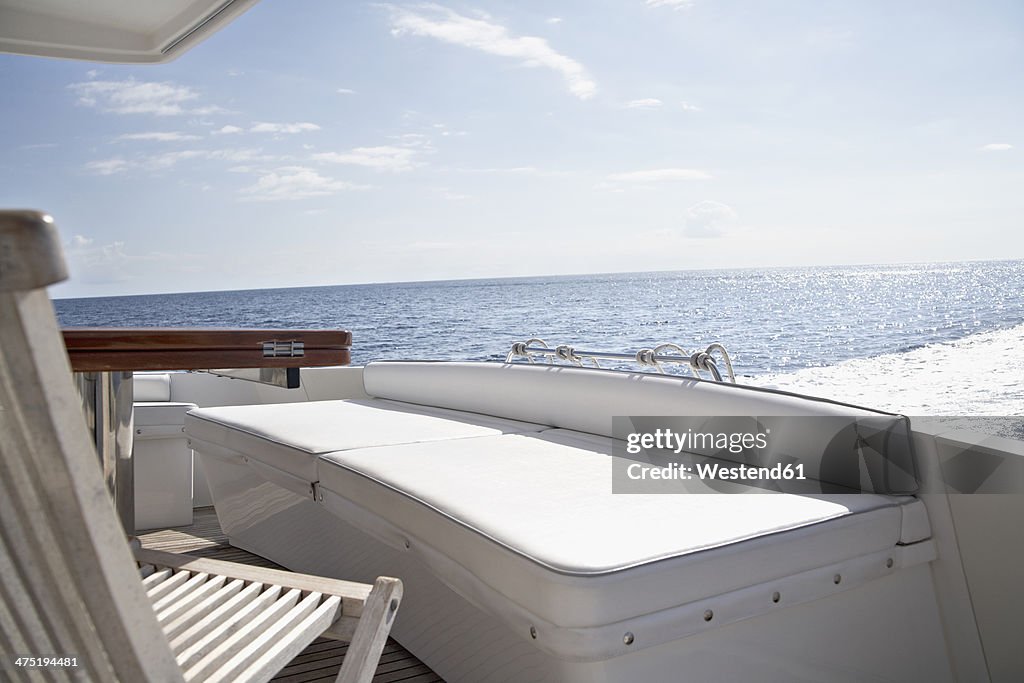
158,136
139,97
451,195
524,170
997,147
153,163
414,140
236,155
553,20
92,73
479,34
284,128
646,103
383,158
708,219
229,130
209,109
659,175
830,37
168,159
92,263
686,106
447,132
346,91
159,162
106,253
674,4
108,166
291,183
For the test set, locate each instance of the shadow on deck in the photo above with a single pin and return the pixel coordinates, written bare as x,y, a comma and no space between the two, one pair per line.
322,659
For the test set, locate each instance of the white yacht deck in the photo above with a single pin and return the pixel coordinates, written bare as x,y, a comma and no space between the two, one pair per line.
321,660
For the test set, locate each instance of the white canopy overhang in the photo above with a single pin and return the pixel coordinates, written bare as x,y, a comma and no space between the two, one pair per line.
120,31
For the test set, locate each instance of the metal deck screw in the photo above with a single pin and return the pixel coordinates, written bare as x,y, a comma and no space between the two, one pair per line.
889,563
776,596
533,633
628,638
836,579
708,615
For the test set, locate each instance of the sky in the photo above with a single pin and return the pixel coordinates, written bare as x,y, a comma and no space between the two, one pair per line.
317,142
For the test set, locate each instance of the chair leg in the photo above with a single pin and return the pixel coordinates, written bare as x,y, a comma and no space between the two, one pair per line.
372,632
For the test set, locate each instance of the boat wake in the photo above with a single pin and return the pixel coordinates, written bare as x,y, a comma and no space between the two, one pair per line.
979,375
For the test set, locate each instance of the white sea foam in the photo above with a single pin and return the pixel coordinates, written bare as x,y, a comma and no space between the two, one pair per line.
982,374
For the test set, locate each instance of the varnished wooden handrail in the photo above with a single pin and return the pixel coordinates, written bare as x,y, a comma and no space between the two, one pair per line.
101,349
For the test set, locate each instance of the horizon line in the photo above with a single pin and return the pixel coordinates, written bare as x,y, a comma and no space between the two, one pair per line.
536,277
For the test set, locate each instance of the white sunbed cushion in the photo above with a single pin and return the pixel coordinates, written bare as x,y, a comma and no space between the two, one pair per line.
289,436
533,517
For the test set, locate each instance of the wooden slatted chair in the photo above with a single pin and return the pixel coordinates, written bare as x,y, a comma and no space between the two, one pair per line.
72,585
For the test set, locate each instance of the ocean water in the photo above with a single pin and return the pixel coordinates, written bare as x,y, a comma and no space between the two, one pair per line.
939,339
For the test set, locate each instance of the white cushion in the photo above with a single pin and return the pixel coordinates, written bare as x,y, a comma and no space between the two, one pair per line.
533,517
151,387
289,436
581,399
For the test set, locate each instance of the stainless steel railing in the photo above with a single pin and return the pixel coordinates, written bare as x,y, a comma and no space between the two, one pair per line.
701,361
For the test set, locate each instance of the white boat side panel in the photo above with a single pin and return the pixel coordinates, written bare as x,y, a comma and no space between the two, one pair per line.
205,389
991,543
163,465
957,612
295,481
161,414
317,384
988,528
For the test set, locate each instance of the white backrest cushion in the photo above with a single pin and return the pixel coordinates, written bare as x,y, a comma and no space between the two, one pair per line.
581,399
151,387
586,400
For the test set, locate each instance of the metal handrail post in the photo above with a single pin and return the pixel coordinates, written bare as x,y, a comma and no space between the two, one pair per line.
107,399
